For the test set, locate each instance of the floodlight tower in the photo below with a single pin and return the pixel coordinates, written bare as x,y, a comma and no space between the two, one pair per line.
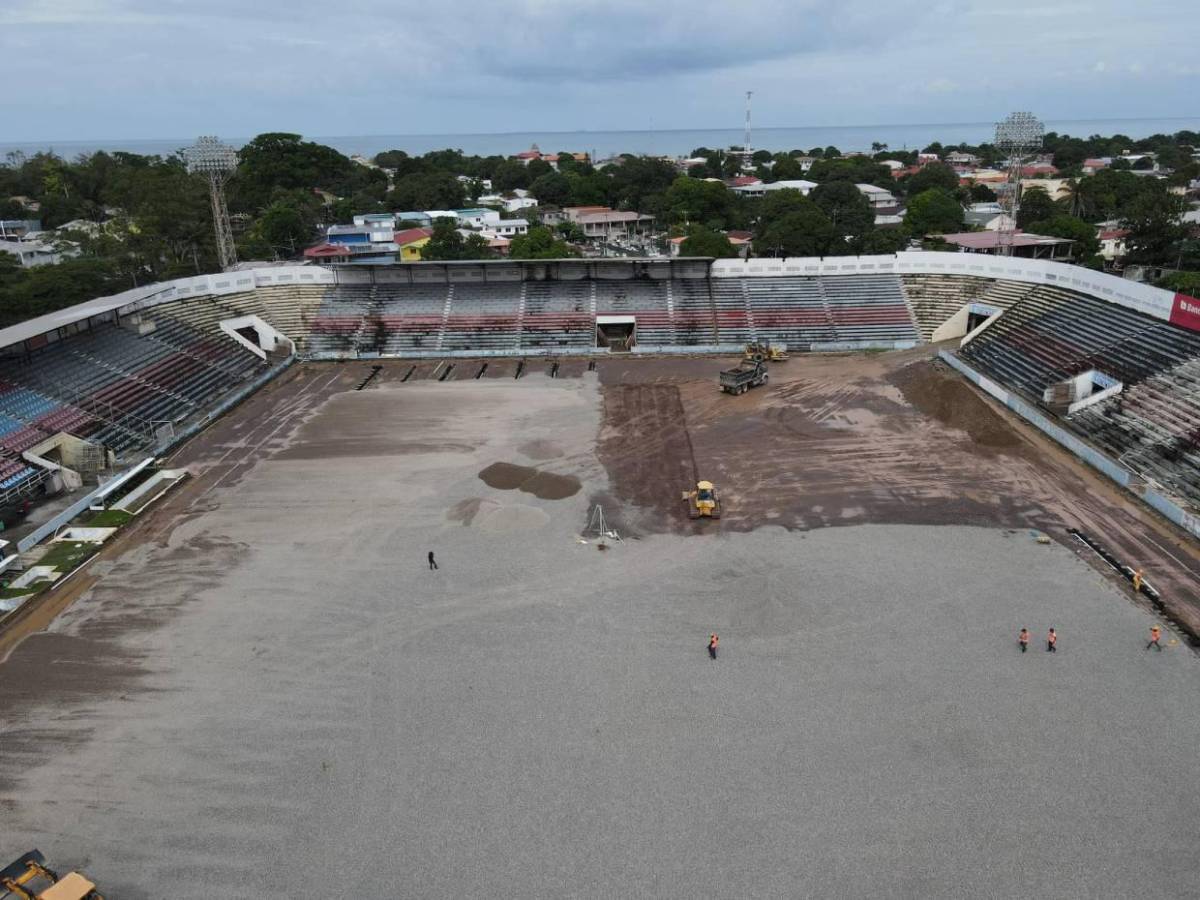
746,154
216,162
1020,135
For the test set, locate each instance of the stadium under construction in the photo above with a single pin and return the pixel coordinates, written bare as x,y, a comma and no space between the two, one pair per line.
257,668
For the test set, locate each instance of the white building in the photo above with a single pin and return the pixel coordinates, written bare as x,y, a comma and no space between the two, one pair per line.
761,190
477,217
879,198
505,228
37,253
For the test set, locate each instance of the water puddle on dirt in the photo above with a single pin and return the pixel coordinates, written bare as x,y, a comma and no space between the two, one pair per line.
543,485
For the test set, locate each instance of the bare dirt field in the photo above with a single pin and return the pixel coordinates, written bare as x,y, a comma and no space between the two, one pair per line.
262,689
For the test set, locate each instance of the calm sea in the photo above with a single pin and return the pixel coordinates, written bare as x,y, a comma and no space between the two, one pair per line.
673,143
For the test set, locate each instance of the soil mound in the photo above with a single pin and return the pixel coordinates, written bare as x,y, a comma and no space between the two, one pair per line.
951,401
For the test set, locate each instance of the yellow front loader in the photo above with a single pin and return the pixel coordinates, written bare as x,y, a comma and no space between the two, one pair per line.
702,503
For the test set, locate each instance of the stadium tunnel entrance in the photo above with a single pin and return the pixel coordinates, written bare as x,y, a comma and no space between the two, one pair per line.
617,333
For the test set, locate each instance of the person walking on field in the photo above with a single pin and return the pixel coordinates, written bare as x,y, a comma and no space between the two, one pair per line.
1023,639
432,561
1052,641
1155,634
713,641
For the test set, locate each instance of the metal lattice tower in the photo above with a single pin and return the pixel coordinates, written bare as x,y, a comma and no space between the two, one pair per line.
747,153
1019,136
216,162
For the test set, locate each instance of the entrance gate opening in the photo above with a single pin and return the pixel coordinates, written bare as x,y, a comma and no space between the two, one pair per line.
617,333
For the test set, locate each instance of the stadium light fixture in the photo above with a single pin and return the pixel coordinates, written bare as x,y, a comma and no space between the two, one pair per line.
1019,136
217,162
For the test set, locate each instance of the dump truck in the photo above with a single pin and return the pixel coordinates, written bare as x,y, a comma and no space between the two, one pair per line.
703,501
745,376
29,878
761,351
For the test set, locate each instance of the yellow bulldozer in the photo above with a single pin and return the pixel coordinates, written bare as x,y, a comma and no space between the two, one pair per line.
29,878
761,351
702,503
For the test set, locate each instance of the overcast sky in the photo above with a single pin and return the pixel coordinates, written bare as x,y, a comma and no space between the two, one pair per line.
87,69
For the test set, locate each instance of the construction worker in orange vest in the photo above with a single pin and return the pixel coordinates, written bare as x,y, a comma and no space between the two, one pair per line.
1155,634
1023,639
1052,641
1137,581
713,641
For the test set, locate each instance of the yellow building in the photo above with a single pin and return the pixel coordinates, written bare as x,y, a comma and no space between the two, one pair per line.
410,242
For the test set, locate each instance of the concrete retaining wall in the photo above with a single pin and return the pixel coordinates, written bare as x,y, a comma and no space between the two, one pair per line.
1168,506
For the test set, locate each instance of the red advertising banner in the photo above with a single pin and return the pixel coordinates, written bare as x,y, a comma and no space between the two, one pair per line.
1185,312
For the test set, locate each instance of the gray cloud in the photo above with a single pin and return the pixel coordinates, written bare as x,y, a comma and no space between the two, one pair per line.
167,67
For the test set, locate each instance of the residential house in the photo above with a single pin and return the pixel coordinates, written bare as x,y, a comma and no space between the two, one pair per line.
1112,243
1092,166
1019,243
326,252
410,241
30,253
611,223
15,229
573,213
505,228
418,218
762,189
988,216
959,158
371,220
477,217
881,199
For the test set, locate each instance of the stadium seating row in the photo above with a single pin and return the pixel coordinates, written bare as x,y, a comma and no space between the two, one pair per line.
511,316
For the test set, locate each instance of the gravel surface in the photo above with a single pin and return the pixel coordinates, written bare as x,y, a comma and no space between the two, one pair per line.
318,714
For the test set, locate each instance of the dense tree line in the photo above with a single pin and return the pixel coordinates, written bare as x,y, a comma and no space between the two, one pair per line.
146,219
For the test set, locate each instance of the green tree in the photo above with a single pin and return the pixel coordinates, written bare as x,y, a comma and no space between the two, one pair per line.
511,174
934,211
553,188
1036,206
703,241
1087,243
446,243
707,202
281,160
285,229
539,243
804,232
786,168
44,289
981,193
934,175
849,211
1156,229
427,190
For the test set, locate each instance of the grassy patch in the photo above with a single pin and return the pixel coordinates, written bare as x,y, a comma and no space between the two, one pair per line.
7,593
66,555
109,518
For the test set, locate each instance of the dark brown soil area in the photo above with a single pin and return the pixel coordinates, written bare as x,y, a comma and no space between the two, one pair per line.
953,402
855,439
543,485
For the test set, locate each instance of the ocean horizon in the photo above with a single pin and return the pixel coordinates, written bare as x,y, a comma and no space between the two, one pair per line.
657,142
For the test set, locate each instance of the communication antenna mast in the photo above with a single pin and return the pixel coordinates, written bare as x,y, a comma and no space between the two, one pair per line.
216,162
1019,136
746,153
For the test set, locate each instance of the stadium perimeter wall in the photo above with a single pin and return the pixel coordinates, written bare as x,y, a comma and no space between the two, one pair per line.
1163,503
1178,309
